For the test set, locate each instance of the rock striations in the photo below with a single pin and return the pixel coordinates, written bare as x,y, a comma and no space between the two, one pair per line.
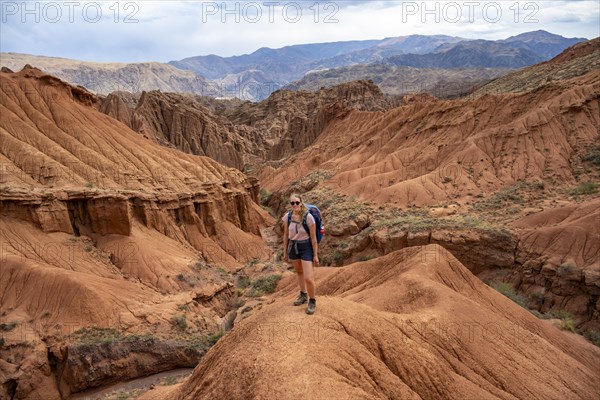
414,324
103,228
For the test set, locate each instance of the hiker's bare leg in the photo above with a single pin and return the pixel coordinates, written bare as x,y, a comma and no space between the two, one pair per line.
309,278
298,267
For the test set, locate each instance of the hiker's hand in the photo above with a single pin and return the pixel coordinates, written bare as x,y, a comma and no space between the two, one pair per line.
285,257
316,260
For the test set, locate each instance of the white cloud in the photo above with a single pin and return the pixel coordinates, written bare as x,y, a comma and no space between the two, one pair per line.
170,30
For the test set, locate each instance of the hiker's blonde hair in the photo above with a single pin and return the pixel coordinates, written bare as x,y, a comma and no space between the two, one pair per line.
302,208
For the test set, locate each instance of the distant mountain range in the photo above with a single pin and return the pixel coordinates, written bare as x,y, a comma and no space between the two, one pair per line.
255,76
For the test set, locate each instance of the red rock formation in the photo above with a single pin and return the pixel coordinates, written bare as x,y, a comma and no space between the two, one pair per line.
426,153
101,227
558,260
291,121
413,324
182,121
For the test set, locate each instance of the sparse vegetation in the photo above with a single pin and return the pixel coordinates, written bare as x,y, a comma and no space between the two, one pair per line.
565,269
264,285
310,181
365,258
213,338
335,259
567,322
593,156
420,220
185,278
265,196
279,255
511,195
8,326
585,188
507,290
89,184
124,394
243,282
168,381
593,336
237,302
179,322
538,297
199,265
94,335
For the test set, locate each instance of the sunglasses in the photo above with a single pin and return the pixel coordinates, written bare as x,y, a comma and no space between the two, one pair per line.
295,203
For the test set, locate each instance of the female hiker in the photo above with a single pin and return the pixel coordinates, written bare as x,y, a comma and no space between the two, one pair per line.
301,249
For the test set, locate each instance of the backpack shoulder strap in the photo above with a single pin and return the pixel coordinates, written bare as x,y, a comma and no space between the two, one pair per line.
304,223
289,217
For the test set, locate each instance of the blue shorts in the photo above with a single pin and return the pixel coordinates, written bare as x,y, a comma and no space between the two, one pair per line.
300,250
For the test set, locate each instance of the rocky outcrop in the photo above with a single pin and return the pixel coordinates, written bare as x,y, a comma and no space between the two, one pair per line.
574,61
558,260
103,228
182,121
291,121
241,134
410,325
84,366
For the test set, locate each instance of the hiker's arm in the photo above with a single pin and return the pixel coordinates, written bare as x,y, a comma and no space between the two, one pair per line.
285,241
313,238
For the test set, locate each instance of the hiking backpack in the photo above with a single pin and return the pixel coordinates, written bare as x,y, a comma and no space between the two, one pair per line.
316,213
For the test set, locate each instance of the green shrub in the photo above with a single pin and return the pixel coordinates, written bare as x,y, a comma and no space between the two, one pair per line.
365,258
538,296
593,156
264,285
585,188
213,338
179,321
593,336
567,324
537,314
243,282
265,197
507,290
94,335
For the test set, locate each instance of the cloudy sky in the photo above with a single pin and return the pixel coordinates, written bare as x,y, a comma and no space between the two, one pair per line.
130,31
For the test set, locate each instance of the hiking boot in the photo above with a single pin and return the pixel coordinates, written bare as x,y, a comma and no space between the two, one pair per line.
302,298
312,304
